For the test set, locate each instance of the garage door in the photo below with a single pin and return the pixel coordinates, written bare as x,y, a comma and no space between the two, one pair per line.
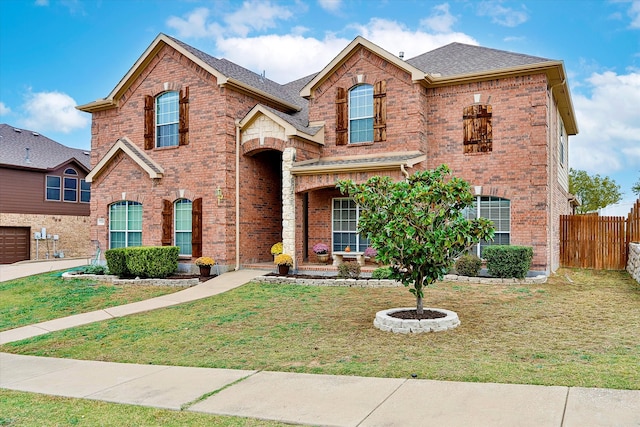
14,244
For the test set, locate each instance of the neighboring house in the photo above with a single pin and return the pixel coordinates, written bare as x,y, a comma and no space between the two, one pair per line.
195,151
42,185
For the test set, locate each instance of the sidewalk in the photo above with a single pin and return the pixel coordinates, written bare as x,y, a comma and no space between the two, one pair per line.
304,398
29,268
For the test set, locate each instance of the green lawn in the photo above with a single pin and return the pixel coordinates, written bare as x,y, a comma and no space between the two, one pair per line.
47,296
579,329
28,409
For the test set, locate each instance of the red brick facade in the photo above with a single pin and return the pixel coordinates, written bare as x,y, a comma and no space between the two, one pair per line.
521,167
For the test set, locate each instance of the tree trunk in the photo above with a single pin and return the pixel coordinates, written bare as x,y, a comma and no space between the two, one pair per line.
419,307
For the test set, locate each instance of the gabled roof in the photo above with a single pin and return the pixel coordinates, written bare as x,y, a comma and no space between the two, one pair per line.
226,73
130,149
347,52
291,124
459,58
43,153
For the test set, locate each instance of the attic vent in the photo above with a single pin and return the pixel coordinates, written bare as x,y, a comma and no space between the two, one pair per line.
86,153
35,134
17,130
401,55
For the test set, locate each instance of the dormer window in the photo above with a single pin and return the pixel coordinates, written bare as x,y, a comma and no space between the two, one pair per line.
166,119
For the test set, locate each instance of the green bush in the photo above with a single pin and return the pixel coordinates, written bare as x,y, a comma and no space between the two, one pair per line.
143,261
508,261
381,273
152,261
117,262
468,265
349,270
95,269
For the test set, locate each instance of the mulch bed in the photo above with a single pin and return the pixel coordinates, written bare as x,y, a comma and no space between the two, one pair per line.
413,314
302,276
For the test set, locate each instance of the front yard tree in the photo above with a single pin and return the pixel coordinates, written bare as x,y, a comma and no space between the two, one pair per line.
595,192
417,225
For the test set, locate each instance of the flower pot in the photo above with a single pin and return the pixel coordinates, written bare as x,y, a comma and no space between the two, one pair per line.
283,270
205,270
323,258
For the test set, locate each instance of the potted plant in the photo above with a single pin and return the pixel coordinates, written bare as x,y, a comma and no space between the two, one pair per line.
284,262
276,249
370,253
322,252
205,263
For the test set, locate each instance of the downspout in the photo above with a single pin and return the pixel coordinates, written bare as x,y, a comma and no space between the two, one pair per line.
237,195
404,171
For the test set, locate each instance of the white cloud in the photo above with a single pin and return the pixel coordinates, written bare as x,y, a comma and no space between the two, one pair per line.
609,124
256,15
253,15
284,58
42,2
53,111
634,13
330,5
501,15
4,109
195,25
441,20
395,37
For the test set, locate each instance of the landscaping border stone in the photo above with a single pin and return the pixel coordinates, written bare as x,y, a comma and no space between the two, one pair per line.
187,282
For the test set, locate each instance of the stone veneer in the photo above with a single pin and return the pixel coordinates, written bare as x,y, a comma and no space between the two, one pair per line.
379,283
73,233
633,264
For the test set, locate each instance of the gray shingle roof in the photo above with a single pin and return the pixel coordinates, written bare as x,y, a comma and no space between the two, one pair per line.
44,153
459,58
245,76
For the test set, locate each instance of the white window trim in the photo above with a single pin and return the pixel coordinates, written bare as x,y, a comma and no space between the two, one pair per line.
350,119
358,242
64,189
155,119
476,248
127,230
175,225
46,188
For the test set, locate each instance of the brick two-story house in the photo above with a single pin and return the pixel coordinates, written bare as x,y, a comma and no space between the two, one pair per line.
202,153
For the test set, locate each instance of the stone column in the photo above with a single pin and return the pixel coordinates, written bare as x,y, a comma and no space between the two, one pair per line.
288,204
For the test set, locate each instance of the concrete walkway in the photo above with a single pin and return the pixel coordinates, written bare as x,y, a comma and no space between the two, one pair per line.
326,400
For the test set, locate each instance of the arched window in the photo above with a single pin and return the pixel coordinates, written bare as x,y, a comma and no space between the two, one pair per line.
497,210
70,185
361,114
167,119
183,225
125,224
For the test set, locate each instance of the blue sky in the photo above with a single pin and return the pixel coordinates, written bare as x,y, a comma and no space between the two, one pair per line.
55,54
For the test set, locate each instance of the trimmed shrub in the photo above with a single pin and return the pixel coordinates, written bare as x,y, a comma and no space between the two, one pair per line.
152,261
508,261
468,265
381,273
143,261
349,270
116,262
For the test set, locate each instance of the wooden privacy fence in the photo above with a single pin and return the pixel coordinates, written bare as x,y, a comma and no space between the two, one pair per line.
600,242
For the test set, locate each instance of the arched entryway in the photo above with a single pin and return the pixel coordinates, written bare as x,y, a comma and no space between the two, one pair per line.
260,205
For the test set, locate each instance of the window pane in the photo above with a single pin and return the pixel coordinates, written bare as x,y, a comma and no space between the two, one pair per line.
53,188
182,225
70,189
85,191
125,224
361,114
70,171
167,118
